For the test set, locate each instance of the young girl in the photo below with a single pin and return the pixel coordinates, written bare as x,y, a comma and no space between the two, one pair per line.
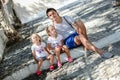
40,52
55,43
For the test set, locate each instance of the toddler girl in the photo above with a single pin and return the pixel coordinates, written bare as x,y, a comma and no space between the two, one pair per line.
55,43
40,52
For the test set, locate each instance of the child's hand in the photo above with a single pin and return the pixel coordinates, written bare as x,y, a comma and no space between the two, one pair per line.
59,46
52,52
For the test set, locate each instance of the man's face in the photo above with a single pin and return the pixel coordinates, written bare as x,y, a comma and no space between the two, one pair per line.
53,15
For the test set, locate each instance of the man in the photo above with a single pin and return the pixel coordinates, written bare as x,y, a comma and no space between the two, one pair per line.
74,32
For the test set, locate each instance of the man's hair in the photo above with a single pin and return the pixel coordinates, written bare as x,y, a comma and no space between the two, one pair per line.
50,9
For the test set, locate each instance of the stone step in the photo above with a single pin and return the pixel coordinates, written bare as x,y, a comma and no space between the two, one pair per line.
75,53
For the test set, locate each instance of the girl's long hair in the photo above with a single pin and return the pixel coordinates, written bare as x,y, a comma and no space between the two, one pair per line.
48,31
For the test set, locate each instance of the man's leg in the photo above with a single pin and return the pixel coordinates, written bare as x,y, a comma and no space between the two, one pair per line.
87,44
81,39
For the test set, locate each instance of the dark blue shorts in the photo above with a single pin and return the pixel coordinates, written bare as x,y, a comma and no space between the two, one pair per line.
69,41
43,58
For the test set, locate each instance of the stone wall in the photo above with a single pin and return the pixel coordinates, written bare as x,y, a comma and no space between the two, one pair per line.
117,2
8,34
3,41
7,21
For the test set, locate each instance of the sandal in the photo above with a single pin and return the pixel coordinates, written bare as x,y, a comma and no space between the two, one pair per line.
59,64
51,67
107,55
70,59
38,72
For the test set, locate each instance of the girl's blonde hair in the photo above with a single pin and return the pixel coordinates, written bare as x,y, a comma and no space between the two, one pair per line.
36,35
47,30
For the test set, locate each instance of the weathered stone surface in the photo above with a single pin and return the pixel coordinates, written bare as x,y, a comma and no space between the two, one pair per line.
72,70
102,20
7,22
3,41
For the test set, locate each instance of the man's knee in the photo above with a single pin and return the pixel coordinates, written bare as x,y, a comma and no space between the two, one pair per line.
65,47
77,40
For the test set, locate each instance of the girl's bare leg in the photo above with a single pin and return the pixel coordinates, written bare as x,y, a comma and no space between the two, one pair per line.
57,52
39,64
65,48
51,57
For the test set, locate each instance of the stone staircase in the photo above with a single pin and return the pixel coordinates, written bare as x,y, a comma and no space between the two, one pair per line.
30,67
18,62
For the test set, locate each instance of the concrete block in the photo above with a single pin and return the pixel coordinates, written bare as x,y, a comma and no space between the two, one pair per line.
32,68
25,72
15,76
21,74
21,71
9,78
107,40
